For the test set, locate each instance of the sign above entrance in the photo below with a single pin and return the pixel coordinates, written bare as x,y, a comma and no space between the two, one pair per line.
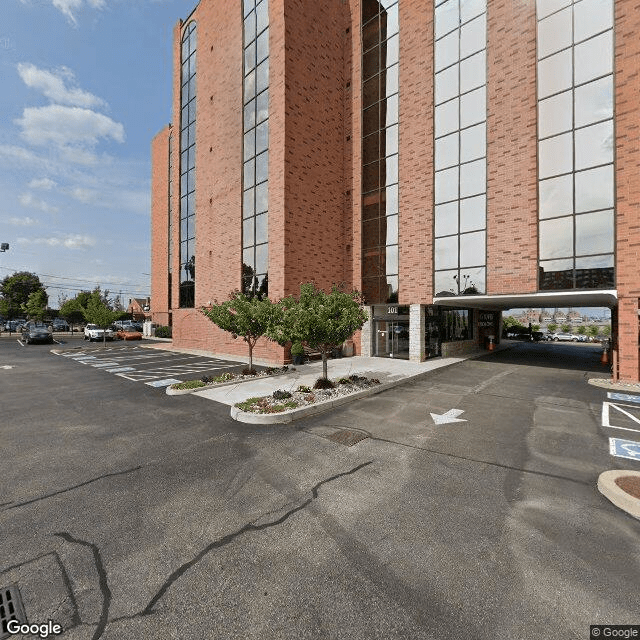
390,311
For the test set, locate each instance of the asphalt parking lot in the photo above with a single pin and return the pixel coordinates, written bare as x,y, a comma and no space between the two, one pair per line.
467,510
155,368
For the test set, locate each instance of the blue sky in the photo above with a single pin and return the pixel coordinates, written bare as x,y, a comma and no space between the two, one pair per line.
86,84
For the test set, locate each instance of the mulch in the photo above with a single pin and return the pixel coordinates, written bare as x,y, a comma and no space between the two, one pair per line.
630,485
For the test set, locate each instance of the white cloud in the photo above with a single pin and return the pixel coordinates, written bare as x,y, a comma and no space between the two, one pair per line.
67,126
83,195
29,200
23,222
74,241
42,183
53,84
67,7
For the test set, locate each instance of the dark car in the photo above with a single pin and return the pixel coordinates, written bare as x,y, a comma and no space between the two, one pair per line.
538,336
36,332
60,325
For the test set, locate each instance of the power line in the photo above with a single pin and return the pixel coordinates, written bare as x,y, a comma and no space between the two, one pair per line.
49,275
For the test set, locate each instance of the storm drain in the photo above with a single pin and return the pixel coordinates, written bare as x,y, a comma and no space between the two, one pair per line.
347,438
10,609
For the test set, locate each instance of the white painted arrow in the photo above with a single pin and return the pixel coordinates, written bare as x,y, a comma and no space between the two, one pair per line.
450,416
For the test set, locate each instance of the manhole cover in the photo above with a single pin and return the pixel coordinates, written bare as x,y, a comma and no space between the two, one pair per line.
347,438
10,609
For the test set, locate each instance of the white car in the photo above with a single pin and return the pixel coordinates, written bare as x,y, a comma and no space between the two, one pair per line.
564,337
93,332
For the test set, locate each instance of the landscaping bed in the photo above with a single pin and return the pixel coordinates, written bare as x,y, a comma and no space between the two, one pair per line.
304,396
209,382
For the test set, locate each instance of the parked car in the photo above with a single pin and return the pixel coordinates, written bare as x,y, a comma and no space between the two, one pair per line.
60,325
564,337
93,332
538,336
128,333
36,332
14,325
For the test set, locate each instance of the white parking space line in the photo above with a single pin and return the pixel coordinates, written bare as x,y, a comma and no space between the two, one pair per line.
19,342
606,416
154,369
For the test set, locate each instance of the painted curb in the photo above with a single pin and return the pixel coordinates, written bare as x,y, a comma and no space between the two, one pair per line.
294,414
610,490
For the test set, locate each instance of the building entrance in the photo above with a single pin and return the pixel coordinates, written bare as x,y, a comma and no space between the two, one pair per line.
391,332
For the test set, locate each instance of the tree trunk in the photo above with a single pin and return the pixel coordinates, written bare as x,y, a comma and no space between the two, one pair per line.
324,364
250,355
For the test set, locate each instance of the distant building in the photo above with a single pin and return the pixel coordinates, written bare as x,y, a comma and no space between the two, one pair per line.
140,308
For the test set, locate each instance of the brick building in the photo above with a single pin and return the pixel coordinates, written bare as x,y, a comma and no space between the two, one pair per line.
449,158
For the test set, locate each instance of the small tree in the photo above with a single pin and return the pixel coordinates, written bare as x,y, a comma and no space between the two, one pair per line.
582,330
593,330
243,316
72,311
535,327
606,331
36,305
321,321
566,328
552,326
98,313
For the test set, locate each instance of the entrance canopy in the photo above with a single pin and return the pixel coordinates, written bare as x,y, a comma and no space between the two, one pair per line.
546,299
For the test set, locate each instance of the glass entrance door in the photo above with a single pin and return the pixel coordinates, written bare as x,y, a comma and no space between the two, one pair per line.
391,339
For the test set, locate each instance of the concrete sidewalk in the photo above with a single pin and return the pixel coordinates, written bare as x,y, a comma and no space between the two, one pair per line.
387,370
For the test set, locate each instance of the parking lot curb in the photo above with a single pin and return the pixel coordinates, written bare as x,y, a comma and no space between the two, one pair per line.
285,417
610,490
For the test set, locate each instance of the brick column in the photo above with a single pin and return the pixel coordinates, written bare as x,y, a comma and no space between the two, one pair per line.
416,333
628,367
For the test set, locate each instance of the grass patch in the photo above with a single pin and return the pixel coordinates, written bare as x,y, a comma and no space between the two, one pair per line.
188,384
262,405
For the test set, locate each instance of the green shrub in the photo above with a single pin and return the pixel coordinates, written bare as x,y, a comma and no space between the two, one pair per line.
303,389
323,383
278,394
225,377
163,332
189,384
297,349
345,381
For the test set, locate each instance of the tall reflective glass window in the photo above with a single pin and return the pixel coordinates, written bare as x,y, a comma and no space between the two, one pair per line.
380,46
255,170
187,168
575,144
460,146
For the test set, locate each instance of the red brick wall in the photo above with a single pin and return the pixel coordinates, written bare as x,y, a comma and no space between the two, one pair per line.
308,243
218,177
416,152
160,226
512,242
627,54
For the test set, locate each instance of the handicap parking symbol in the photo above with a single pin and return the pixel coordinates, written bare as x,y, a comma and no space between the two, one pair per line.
624,448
